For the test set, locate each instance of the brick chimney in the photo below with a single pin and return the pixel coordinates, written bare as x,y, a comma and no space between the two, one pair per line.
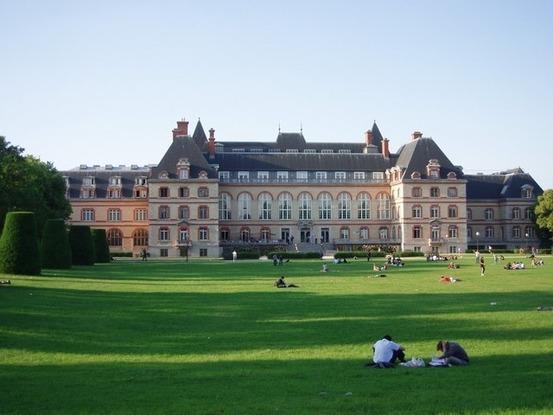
385,148
182,128
211,143
416,135
368,137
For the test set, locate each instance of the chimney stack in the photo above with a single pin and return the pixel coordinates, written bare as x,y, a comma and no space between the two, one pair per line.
385,148
211,143
368,137
416,135
182,128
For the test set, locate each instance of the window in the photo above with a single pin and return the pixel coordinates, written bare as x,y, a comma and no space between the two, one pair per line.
310,150
416,211
417,249
164,252
114,215
224,234
364,233
141,193
451,192
88,193
434,192
301,176
326,151
340,176
528,214
417,232
164,212
265,234
452,249
141,214
320,176
141,181
115,237
304,205
244,206
452,231
292,150
516,213
184,235
434,212
435,233
203,234
243,176
516,232
469,213
89,181
203,252
325,206
344,233
489,232
344,151
526,192
224,206
530,231
488,214
184,173
265,206
140,237
245,234
184,212
285,206
114,193
344,206
452,212
383,206
184,192
469,232
224,176
378,175
263,176
115,181
383,234
203,212
163,192
416,192
358,175
282,176
87,215
363,206
203,192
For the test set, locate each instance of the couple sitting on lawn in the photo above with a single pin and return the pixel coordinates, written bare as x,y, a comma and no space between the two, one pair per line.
281,283
386,352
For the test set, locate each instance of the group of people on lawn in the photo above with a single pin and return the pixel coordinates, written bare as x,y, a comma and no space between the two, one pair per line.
386,353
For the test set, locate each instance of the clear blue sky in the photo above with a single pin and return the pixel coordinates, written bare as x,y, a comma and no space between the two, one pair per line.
104,82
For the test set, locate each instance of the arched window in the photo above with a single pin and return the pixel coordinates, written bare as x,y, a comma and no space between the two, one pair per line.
164,212
526,192
265,206
115,237
224,206
285,206
304,205
363,206
325,206
528,214
344,206
383,206
140,237
244,206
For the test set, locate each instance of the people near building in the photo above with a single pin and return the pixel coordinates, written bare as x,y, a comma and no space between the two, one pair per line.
452,265
386,352
275,260
325,268
452,353
281,283
144,254
482,266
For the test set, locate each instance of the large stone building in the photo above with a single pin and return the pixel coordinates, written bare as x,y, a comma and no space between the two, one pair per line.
206,194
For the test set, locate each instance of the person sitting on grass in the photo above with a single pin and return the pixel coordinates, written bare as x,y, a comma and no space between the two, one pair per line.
325,268
452,353
386,352
281,283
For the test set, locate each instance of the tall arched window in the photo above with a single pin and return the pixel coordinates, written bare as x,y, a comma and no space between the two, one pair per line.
304,205
244,206
325,206
115,237
363,206
224,206
344,206
383,206
140,237
265,206
285,206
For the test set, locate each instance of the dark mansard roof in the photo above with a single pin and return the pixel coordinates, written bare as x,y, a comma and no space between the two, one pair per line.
101,179
507,184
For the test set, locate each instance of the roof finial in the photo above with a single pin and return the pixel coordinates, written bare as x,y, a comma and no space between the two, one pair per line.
279,127
301,127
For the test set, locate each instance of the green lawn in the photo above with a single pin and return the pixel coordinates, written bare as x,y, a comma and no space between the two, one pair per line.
217,338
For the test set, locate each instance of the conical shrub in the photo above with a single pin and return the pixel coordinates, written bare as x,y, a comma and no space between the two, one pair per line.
54,248
82,248
101,248
19,250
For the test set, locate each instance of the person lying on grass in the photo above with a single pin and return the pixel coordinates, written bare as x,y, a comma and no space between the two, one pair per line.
386,352
452,353
281,283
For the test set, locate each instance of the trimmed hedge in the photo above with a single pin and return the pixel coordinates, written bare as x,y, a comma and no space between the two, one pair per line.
54,248
121,255
359,254
295,255
101,248
82,247
19,250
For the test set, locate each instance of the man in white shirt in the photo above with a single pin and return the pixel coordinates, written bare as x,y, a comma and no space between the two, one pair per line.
386,352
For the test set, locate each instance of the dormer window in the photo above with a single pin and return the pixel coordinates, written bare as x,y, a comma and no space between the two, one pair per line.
415,175
163,175
115,181
114,193
526,192
433,169
344,151
378,175
291,150
89,181
451,175
326,151
183,169
141,181
310,150
202,174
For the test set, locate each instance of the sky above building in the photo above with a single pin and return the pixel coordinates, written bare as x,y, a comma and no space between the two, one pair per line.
104,82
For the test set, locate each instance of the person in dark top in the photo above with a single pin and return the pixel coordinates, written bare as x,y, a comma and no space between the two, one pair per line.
281,283
453,353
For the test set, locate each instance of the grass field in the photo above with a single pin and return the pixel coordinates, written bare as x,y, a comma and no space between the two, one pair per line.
217,338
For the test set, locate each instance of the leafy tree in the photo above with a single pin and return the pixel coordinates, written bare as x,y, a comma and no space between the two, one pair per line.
55,249
82,247
543,212
101,248
19,251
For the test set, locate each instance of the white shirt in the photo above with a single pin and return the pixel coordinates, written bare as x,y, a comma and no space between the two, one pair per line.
384,350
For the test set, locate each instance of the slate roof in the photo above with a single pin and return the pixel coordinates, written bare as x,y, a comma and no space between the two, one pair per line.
199,135
500,185
101,178
377,137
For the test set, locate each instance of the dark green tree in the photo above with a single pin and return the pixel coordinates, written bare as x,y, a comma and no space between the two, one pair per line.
19,251
543,215
82,247
54,248
101,248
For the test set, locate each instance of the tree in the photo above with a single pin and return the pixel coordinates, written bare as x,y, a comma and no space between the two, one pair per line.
19,251
54,248
82,247
101,248
543,212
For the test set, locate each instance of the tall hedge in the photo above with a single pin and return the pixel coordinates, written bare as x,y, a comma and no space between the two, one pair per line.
54,248
82,247
101,248
19,250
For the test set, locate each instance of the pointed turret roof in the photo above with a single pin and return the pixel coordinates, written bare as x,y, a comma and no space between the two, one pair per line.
199,135
377,136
